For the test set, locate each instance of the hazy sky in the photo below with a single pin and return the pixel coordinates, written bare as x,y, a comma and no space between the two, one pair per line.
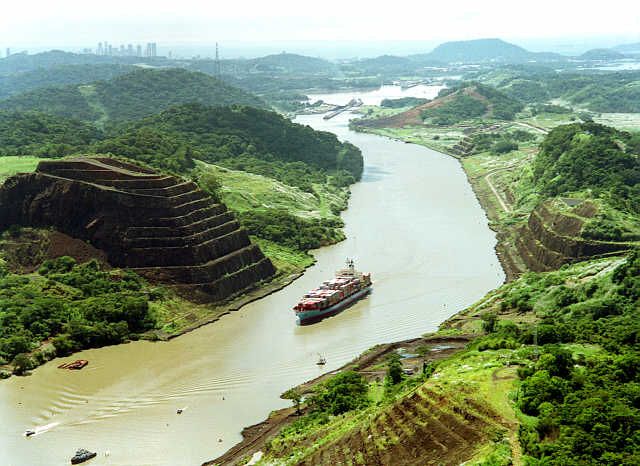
31,23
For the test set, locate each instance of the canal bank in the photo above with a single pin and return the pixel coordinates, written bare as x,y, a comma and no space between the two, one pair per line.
413,222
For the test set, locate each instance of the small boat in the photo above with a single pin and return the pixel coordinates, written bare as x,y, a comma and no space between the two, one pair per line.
29,433
75,365
82,455
321,360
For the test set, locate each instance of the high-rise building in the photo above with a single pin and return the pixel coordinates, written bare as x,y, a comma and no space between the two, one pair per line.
152,50
8,51
138,50
110,50
130,50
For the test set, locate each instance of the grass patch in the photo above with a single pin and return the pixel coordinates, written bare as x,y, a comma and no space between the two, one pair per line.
242,191
286,260
9,166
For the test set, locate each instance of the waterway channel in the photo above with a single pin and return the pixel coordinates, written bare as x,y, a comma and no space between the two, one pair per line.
413,222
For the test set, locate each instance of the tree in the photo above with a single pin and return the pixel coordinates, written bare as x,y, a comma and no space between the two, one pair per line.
295,396
22,363
489,322
394,369
342,393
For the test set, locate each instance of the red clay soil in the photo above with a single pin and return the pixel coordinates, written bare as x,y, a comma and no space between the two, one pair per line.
26,251
64,245
413,116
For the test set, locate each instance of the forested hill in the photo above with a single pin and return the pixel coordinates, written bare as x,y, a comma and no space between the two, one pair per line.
292,63
41,134
242,137
584,156
58,76
148,91
21,62
239,137
131,96
617,92
478,50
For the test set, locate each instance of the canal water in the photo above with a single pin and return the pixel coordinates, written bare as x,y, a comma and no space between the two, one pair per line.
413,222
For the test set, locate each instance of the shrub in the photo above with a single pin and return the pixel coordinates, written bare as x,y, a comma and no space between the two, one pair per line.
343,392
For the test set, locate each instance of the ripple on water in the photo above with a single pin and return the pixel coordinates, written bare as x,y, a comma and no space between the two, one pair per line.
440,259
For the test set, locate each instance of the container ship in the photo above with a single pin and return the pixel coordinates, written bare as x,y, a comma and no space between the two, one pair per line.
333,295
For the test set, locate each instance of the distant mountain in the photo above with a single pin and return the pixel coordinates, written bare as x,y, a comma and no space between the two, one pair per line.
292,63
602,54
21,62
59,75
484,50
479,50
131,96
148,91
628,48
386,64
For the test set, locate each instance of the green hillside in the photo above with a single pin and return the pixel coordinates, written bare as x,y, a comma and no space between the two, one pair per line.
58,76
244,138
550,378
64,101
130,96
45,135
590,156
594,90
292,63
468,101
148,91
602,54
289,181
23,62
577,389
478,50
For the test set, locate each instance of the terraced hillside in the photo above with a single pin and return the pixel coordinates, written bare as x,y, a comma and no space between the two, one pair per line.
429,427
164,228
553,236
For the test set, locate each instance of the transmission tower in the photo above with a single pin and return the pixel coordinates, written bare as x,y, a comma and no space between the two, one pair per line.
218,73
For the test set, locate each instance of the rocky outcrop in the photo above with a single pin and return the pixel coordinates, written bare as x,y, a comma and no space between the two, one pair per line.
164,228
552,238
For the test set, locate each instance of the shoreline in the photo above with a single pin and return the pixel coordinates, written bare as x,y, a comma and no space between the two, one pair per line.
241,301
254,437
475,183
235,304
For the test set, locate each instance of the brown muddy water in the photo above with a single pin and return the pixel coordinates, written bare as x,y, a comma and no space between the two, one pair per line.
413,222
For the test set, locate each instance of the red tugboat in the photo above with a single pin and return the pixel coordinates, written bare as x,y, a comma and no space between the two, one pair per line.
334,295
